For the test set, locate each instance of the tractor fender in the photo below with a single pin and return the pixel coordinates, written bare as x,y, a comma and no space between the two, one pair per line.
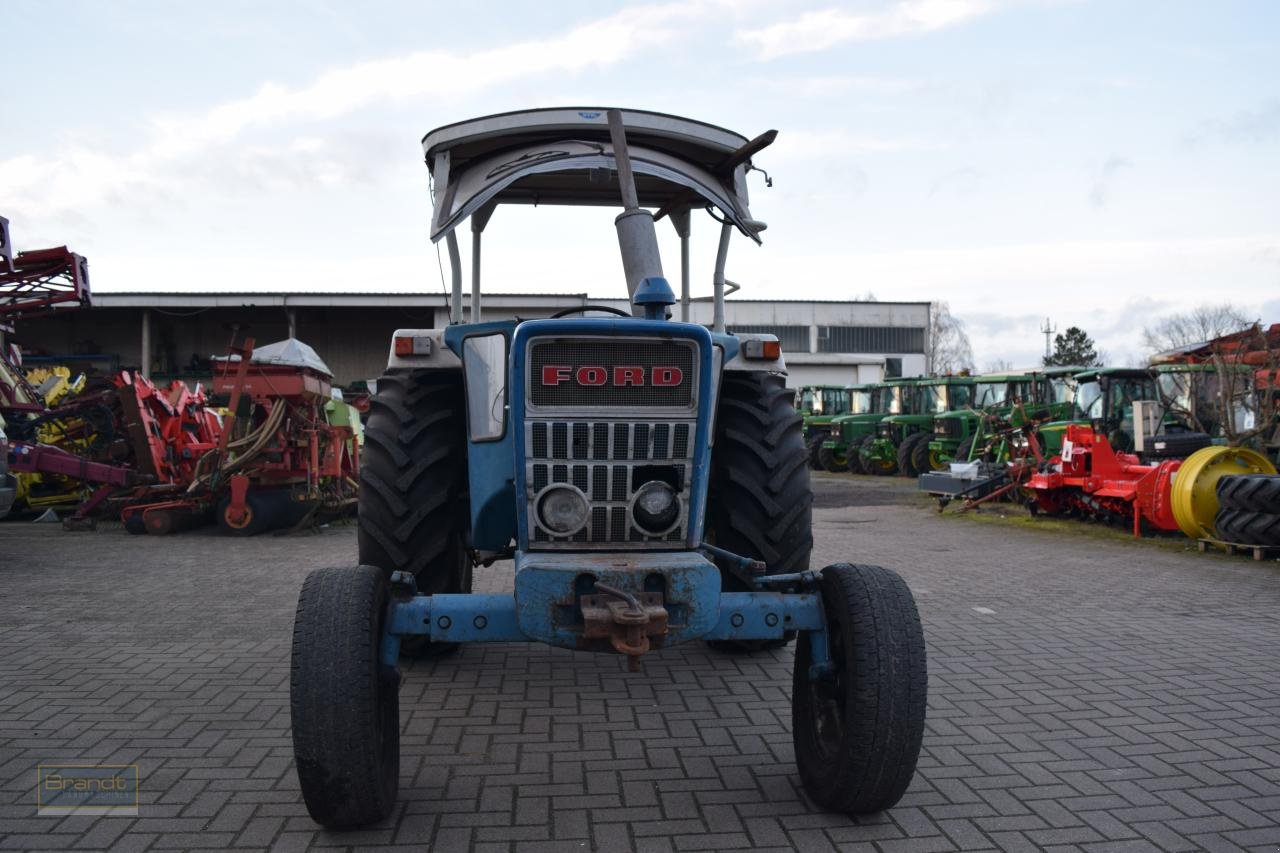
432,352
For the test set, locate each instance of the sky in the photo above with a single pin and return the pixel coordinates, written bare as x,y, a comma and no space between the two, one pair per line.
1100,163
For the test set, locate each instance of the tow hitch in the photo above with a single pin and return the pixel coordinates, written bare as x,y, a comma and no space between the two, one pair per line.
626,620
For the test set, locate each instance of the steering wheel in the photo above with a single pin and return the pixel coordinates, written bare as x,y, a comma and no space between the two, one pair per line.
582,309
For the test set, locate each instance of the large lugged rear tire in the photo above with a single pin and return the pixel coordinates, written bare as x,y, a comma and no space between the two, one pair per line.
413,481
1251,492
759,502
906,455
345,709
1242,527
857,733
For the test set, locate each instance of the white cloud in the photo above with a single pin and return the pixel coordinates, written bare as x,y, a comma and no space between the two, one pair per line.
191,149
819,30
827,145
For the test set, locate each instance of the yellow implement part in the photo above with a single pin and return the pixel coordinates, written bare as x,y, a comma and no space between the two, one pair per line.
1194,491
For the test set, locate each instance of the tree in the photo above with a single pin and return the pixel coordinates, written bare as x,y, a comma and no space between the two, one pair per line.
949,348
1199,325
1073,347
998,365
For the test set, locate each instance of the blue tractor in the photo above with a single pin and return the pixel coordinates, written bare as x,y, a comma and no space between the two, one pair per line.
647,477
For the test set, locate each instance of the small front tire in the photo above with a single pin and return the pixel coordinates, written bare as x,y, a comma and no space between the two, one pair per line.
857,732
345,708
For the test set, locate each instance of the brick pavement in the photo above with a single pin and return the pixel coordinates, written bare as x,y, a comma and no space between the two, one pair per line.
1085,694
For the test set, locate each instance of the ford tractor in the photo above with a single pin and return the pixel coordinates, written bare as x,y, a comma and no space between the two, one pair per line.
646,476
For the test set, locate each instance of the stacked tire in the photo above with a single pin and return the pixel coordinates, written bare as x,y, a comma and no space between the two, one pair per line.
1249,509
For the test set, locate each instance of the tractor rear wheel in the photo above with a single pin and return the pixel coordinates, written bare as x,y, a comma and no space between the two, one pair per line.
759,502
1242,527
906,455
1178,445
1252,492
345,708
414,511
857,730
413,481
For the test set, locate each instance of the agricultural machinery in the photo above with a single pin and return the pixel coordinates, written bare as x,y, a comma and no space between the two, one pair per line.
863,400
1092,480
279,455
847,432
818,405
901,442
646,475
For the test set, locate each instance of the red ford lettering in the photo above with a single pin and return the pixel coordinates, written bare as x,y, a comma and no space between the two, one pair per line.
667,376
621,376
628,376
592,375
554,374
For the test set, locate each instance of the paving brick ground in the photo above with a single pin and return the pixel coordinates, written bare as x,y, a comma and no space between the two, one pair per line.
1085,694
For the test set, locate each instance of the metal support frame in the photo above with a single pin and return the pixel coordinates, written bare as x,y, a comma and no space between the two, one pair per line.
681,220
493,618
722,257
479,221
455,273
144,363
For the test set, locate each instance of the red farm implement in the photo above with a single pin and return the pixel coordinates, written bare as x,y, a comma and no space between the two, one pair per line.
1092,480
276,458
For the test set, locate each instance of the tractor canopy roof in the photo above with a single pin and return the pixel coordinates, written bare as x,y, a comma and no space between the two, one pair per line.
946,380
1058,370
1002,377
1117,372
564,155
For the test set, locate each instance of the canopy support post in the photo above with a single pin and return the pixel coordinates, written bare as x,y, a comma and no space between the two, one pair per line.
681,220
722,257
455,272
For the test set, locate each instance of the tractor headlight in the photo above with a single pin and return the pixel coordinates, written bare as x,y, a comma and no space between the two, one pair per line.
656,507
562,510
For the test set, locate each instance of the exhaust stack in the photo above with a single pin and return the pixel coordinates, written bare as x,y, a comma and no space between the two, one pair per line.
637,235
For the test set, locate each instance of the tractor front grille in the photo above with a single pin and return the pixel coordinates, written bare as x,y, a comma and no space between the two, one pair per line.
608,460
947,427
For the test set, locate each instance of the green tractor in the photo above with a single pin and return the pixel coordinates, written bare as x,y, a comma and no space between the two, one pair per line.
901,443
1104,397
818,404
956,430
868,404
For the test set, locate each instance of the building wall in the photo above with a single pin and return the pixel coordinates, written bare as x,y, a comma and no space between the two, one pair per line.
352,332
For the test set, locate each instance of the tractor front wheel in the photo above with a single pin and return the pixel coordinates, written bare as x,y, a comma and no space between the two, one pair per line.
906,455
857,729
345,708
832,460
925,460
853,458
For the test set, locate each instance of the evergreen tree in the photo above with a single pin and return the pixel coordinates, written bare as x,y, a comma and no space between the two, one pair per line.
1073,347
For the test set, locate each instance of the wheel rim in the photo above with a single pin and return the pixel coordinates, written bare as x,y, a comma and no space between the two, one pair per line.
826,698
840,459
936,462
242,523
1194,493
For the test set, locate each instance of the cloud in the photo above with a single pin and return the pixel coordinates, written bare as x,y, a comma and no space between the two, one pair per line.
833,144
1246,126
819,30
825,86
959,181
190,147
1100,193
